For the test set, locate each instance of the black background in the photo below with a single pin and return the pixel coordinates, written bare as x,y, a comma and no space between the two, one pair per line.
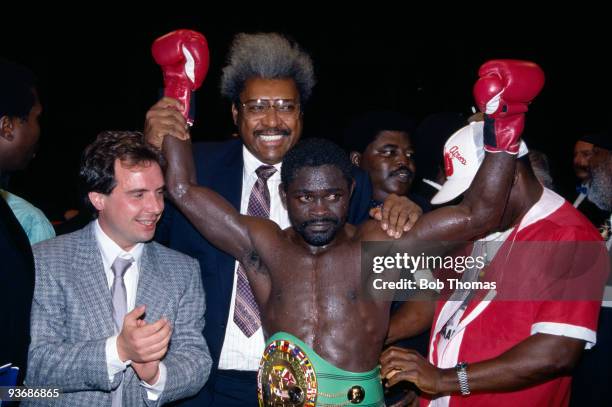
98,74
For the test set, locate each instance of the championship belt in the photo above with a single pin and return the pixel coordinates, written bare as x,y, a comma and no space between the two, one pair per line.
286,376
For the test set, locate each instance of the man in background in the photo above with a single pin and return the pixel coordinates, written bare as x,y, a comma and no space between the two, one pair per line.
19,132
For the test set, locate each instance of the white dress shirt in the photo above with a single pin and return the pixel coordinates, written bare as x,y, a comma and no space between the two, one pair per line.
240,352
110,251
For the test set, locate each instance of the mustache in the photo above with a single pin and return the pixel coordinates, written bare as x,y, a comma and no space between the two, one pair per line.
309,222
272,130
403,168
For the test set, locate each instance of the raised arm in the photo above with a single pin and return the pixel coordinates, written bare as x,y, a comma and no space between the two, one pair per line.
503,92
209,213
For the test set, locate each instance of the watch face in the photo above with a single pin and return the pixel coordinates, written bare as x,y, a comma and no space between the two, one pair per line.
286,376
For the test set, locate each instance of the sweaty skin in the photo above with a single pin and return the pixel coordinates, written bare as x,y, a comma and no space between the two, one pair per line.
315,291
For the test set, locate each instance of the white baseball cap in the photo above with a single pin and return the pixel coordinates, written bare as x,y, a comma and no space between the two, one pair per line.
463,154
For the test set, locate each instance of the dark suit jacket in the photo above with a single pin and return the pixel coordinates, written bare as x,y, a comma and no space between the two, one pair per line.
219,166
16,290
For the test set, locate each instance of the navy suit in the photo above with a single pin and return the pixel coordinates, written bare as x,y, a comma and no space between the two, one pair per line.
219,166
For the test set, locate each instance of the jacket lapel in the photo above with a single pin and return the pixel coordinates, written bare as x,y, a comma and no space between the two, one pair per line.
92,284
229,181
229,184
151,284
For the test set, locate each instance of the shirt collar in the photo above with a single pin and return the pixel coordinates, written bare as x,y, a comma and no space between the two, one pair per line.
548,203
111,250
252,163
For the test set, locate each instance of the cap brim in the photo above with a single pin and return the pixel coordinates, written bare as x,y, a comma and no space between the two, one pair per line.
451,189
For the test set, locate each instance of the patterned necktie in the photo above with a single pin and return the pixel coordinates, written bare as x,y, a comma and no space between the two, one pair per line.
246,313
119,295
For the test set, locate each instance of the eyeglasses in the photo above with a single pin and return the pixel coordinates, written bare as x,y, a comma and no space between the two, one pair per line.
258,108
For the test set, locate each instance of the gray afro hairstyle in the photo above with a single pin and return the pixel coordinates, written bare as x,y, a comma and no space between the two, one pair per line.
268,56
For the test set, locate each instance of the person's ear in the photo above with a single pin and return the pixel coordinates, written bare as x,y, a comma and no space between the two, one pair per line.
7,126
97,200
283,195
355,158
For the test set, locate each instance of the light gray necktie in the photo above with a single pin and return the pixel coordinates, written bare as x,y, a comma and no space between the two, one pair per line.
118,291
119,295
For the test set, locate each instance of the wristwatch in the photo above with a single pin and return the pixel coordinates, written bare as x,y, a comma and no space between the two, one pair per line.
461,369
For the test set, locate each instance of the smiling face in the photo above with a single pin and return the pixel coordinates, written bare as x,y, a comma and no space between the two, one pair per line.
389,161
129,214
270,135
317,202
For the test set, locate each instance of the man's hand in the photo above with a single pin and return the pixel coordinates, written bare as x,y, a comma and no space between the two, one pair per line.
397,215
148,371
165,118
406,364
143,343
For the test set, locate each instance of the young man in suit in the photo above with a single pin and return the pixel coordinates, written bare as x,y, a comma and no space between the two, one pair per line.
117,319
269,81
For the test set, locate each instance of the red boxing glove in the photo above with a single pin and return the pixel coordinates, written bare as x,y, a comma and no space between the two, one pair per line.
183,57
503,92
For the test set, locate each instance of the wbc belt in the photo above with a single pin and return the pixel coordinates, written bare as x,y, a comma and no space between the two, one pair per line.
292,374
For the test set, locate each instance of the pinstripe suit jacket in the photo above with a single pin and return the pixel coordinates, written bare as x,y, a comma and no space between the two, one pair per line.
72,318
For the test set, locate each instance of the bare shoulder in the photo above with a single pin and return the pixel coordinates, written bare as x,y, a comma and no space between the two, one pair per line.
263,224
263,229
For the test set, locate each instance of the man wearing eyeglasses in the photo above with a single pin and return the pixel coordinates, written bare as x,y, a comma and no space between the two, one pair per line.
268,80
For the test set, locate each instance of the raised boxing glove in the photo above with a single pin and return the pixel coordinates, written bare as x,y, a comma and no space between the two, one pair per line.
184,59
503,92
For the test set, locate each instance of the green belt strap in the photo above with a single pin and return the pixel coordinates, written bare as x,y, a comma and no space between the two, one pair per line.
334,383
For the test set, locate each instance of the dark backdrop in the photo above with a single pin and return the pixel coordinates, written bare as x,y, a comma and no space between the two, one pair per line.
97,75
